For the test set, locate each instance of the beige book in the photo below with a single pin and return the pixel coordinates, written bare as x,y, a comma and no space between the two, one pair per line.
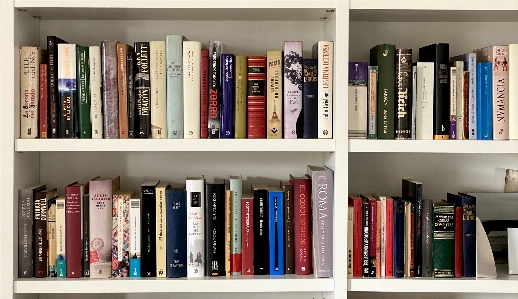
161,263
191,89
157,72
30,58
274,95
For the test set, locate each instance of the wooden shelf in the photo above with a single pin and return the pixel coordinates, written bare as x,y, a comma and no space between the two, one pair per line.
433,146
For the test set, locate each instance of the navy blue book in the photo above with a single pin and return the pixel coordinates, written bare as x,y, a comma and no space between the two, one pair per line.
484,101
227,96
469,241
276,227
310,98
176,232
399,238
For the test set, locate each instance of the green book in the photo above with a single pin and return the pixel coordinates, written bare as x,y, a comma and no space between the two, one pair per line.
443,253
384,56
83,92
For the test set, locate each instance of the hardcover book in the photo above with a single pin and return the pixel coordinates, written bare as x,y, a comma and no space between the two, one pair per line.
424,110
176,232
513,92
357,100
301,224
443,239
470,65
135,236
355,202
389,238
53,103
261,231
466,104
384,57
61,261
148,252
381,234
157,72
413,191
161,236
236,189
43,102
228,218
67,90
427,228
453,102
469,244
399,238
372,92
40,231
372,236
240,93
274,94
276,230
310,98
459,100
227,96
121,233
143,89
122,53
83,92
247,234
96,116
131,110
350,240
110,103
403,92
52,237
365,236
191,88
195,187
289,242
216,48
215,229
86,234
256,97
74,232
174,70
204,93
292,89
323,51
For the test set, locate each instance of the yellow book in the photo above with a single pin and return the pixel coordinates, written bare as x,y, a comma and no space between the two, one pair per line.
240,96
161,262
228,225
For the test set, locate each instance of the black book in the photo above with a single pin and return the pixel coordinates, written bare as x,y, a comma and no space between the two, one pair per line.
143,89
53,107
86,235
309,99
148,229
413,192
261,236
365,236
132,104
215,229
215,50
439,54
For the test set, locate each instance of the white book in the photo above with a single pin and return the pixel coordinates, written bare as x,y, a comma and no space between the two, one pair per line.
424,110
453,102
61,237
357,111
96,116
513,91
459,65
191,88
161,262
195,187
157,72
323,50
29,91
414,99
236,187
174,45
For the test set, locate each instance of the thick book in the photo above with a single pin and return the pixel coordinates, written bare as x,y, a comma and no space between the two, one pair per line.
355,202
372,91
161,236
469,243
135,236
195,188
453,102
148,228
274,94
67,90
292,89
459,101
122,87
131,110
204,94
424,105
310,98
399,238
192,81
236,189
227,96
443,239
101,198
26,198
96,115
357,115
110,94
216,48
240,93
215,229
74,232
470,65
43,102
121,233
83,92
53,102
413,191
301,223
176,232
403,118
426,240
261,231
256,97
143,89
485,102
174,78
52,237
40,231
384,57
323,51
61,260
247,234
289,242
276,230
157,73
439,54
86,234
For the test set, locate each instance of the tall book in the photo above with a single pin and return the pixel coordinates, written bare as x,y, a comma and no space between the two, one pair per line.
310,98
148,228
61,261
191,88
403,93
467,204
101,198
94,59
122,87
52,236
214,229
439,54
382,234
424,110
43,101
322,199
467,76
176,232
355,202
384,57
240,93
453,102
289,242
121,233
135,236
301,223
74,231
470,65
256,97
143,89
204,94
83,91
292,89
513,91
426,240
40,231
365,236
323,51
228,219
174,78
274,94
110,94
26,198
157,72
86,234
131,110
357,99
389,238
227,96
485,102
459,100
261,231
276,230
195,188
413,191
161,234
67,90
443,239
247,233
216,48
457,248
372,207
414,99
53,103
372,91
236,189
399,238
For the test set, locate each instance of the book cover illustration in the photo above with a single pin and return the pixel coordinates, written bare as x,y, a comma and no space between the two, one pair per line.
292,89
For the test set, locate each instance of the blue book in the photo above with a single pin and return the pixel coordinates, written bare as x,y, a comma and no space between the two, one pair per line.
135,237
227,96
484,101
399,238
134,267
276,229
176,232
469,241
310,98
174,60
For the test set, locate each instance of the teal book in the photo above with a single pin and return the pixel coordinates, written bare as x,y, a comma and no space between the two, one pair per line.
174,60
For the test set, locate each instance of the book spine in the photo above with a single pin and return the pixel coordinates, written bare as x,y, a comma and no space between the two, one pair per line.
95,91
378,239
383,235
289,242
424,113
148,239
403,91
325,88
486,101
372,238
44,96
61,262
310,98
453,103
73,233
256,97
131,102
274,94
469,243
240,96
161,234
204,93
236,187
414,100
51,230
135,239
301,225
500,92
67,89
83,92
371,102
357,237
365,239
471,64
458,242
513,91
247,234
143,89
174,61
214,126
86,235
466,105
459,95
110,102
292,89
195,227
399,239
276,232
100,228
443,240
350,241
215,230
261,232
357,100
228,219
414,192
389,241
192,88
176,211
412,235
157,73
384,57
122,90
122,229
116,236
40,235
53,111
29,91
427,238
227,96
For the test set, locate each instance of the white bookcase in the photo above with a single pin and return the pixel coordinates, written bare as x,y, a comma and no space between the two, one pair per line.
246,27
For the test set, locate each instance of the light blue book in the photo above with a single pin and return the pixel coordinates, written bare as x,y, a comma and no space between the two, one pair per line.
61,266
174,62
135,267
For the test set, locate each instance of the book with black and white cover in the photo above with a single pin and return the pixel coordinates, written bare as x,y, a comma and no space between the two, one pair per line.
195,187
323,51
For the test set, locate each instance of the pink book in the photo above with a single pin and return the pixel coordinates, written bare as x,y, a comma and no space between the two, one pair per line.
389,237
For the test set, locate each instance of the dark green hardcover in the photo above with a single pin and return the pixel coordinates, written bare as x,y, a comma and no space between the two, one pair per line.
83,92
384,56
443,254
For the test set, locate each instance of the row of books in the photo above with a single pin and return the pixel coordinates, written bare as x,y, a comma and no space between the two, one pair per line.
174,89
202,229
440,97
411,236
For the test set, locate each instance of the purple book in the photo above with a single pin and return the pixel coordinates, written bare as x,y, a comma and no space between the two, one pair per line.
358,73
227,96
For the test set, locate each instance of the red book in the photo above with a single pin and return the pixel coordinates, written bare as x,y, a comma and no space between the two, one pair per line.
356,202
204,116
43,100
372,237
247,234
458,241
73,233
256,97
389,237
302,224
